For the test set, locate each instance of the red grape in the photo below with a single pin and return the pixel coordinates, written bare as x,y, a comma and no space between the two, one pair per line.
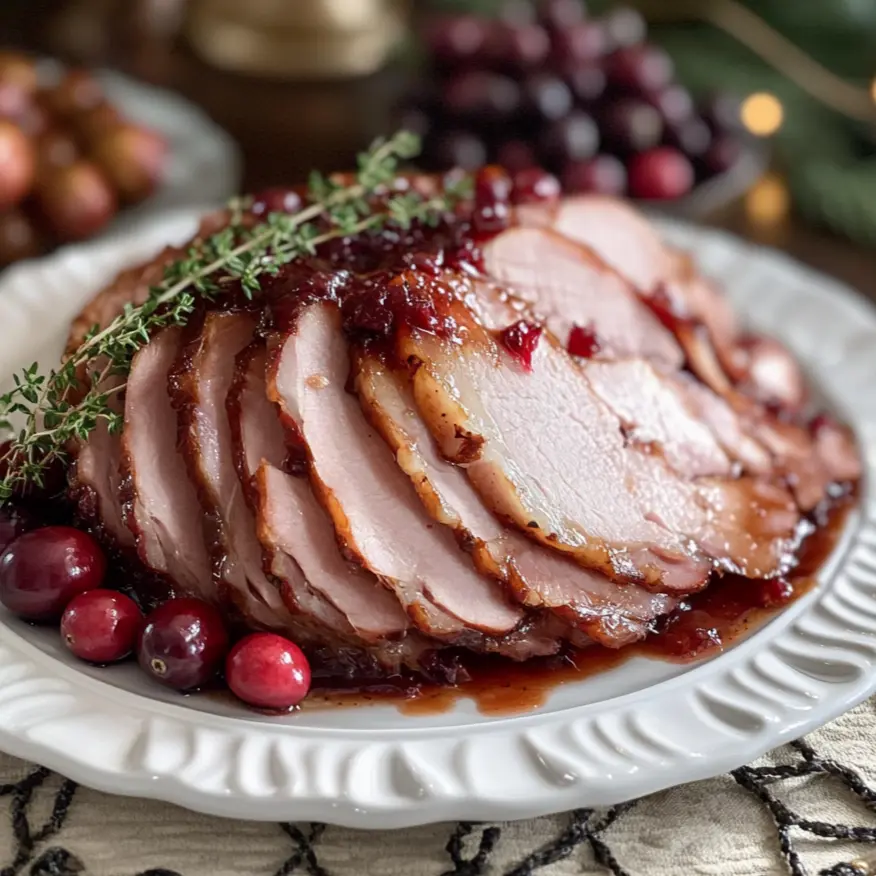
722,112
482,97
44,569
724,152
268,671
183,643
101,626
13,521
603,174
660,174
574,138
587,82
521,47
547,97
624,27
579,43
692,136
560,14
631,125
458,38
641,69
674,103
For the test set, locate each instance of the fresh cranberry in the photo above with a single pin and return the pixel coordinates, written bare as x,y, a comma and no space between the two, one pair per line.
583,341
520,47
268,672
776,592
516,155
183,643
457,39
13,522
603,174
101,626
641,68
535,185
587,82
276,200
492,193
520,340
660,174
44,569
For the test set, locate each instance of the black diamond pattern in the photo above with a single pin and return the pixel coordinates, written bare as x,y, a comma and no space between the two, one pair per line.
471,848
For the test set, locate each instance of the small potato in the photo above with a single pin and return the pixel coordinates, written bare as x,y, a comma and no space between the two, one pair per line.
77,92
92,123
56,147
132,158
20,70
77,201
17,164
19,238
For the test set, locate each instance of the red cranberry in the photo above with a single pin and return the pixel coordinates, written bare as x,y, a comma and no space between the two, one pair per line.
603,174
521,340
776,592
516,155
575,138
183,643
276,200
268,672
101,626
641,69
583,341
631,125
560,14
535,185
723,154
660,174
624,27
44,569
492,192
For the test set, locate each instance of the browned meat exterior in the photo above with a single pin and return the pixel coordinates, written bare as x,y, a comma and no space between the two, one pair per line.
160,503
200,381
623,510
589,602
377,516
359,459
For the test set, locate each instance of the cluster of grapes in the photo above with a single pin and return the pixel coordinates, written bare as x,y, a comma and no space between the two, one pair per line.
589,99
68,160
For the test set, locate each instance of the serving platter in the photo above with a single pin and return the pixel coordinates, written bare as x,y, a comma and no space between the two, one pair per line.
640,727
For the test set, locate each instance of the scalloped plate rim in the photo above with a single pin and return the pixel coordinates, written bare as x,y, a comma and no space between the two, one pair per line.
450,787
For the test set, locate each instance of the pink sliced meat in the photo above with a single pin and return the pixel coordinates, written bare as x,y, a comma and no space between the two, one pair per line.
568,286
200,382
611,614
547,453
160,503
295,531
376,513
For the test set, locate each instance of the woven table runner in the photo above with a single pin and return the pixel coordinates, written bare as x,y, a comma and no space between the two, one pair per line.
807,808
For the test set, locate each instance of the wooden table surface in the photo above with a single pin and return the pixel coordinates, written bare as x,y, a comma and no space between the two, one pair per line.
285,129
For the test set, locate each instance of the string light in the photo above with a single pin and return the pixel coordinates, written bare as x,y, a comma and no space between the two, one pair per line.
762,113
873,90
768,202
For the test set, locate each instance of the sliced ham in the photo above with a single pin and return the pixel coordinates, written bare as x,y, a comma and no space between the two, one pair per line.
376,513
569,286
160,503
647,523
296,533
606,612
200,382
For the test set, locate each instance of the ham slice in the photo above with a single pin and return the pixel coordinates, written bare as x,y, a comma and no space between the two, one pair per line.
610,614
161,506
376,513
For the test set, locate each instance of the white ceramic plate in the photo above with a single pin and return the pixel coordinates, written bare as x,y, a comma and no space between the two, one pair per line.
642,727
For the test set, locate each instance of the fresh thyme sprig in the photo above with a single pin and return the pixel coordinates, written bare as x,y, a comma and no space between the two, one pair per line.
69,403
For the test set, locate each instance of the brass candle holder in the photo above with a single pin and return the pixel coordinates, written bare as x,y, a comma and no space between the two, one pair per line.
297,39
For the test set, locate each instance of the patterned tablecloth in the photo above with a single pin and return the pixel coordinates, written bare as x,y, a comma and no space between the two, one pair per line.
807,808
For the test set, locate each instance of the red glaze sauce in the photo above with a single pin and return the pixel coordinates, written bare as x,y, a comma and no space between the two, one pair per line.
583,341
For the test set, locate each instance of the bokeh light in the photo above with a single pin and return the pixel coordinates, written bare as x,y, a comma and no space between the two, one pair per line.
762,113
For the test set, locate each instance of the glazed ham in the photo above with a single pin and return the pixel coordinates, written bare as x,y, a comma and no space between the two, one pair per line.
410,447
